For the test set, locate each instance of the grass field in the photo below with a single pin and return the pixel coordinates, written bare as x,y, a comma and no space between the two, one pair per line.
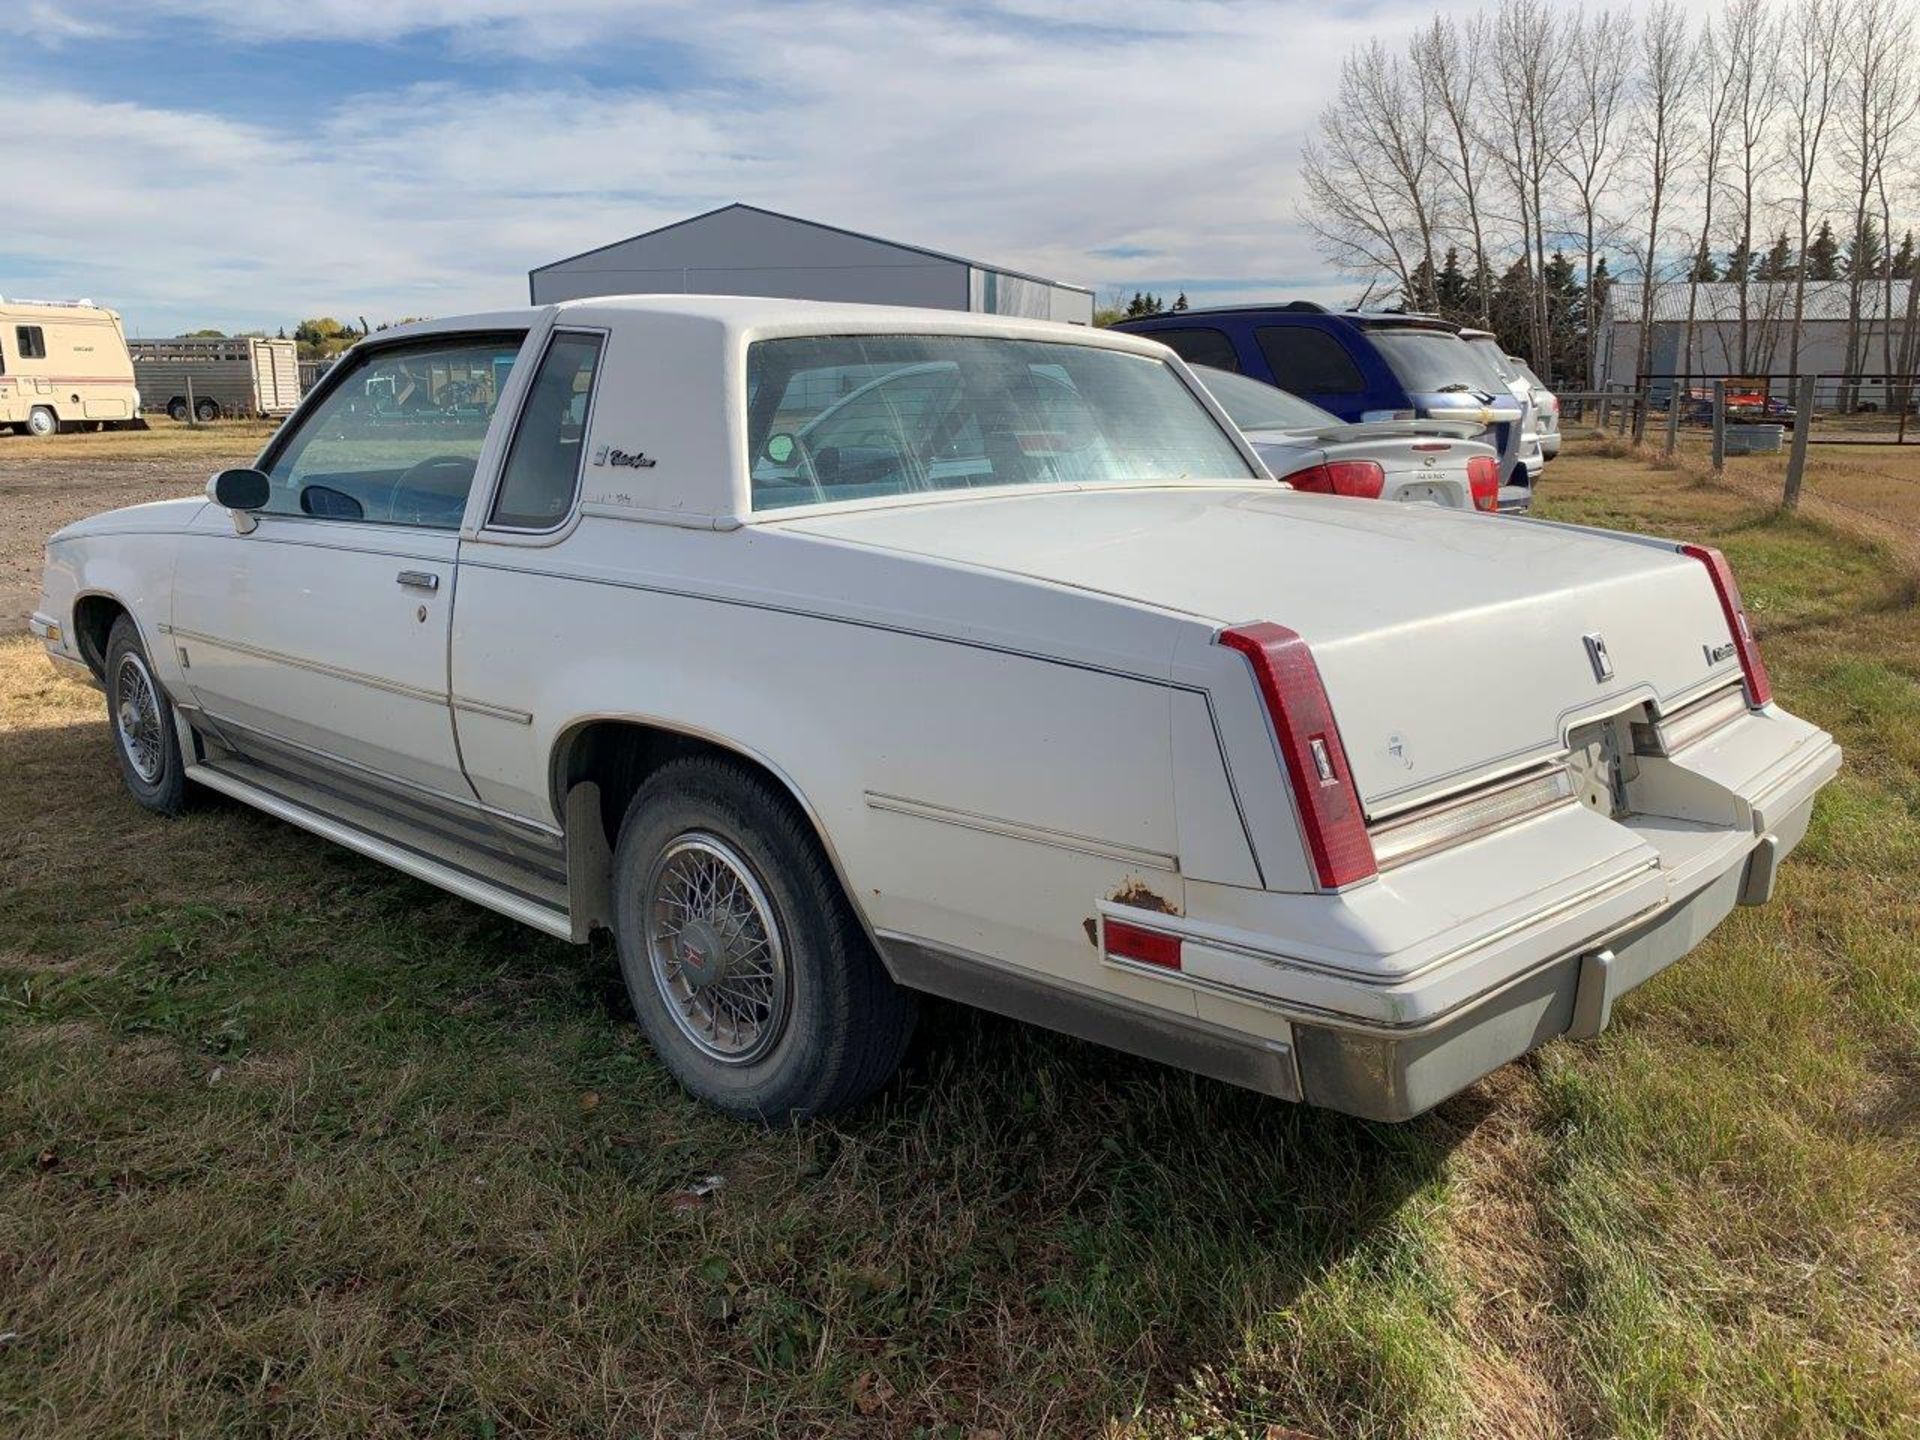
291,1143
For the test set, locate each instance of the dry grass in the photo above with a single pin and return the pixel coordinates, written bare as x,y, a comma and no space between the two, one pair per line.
291,1143
165,440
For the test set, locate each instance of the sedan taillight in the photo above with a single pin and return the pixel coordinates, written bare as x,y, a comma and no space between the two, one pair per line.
1483,478
1316,761
1759,684
1362,479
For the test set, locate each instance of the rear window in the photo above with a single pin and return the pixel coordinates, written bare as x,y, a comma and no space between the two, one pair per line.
1308,361
1254,405
1495,359
855,417
1430,361
1202,345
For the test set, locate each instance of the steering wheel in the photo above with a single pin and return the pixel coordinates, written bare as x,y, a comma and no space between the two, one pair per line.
422,471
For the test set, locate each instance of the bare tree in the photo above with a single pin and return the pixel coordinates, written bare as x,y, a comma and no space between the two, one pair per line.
1875,109
1369,172
1813,49
1715,78
1528,113
1665,86
1902,89
1448,62
1753,57
1598,81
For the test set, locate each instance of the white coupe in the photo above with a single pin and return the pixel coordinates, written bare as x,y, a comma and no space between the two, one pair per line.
1017,681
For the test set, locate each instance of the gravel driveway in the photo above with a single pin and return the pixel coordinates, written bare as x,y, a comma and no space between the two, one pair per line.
44,485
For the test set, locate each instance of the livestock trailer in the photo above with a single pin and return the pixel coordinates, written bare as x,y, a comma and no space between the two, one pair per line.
212,376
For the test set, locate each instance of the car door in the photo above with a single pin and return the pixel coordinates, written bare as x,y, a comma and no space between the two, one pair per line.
323,630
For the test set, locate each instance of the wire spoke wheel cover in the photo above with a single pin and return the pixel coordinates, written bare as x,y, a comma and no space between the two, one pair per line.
137,719
714,949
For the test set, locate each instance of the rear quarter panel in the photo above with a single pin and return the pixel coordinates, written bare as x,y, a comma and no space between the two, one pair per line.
976,792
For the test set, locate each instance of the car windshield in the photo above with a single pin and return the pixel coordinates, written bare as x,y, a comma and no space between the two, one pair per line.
1255,405
854,417
1430,361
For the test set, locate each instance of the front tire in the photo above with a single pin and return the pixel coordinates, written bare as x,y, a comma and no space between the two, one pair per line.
747,967
140,718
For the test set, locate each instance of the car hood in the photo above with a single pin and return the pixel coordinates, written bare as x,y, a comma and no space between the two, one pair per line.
1451,642
153,515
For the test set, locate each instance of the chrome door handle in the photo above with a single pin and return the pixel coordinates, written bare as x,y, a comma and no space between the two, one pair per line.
419,579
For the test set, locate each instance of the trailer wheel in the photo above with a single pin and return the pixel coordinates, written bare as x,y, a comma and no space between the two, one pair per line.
207,410
42,422
177,410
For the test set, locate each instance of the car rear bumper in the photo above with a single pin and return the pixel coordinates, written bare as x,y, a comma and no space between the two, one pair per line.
1385,1011
1382,1076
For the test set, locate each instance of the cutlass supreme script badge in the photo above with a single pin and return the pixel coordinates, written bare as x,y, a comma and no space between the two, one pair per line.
611,455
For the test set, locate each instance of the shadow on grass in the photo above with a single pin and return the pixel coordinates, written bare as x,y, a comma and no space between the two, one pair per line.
1022,1226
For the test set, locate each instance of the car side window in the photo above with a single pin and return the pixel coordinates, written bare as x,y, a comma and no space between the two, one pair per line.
543,463
1202,345
31,340
397,439
1308,361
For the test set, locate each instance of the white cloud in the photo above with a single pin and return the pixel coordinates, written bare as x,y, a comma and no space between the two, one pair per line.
1170,133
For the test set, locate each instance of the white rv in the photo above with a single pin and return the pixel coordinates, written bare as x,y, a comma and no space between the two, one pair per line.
63,366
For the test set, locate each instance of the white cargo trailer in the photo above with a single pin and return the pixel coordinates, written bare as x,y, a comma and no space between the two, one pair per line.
214,376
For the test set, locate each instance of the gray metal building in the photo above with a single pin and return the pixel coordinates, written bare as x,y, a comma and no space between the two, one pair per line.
744,250
1710,344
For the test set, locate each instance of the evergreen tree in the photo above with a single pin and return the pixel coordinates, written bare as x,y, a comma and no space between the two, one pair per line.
1777,263
1452,294
1903,259
1863,258
1823,255
1739,264
1704,270
1418,294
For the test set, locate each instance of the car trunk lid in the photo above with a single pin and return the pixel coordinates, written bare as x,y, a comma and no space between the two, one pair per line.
1454,646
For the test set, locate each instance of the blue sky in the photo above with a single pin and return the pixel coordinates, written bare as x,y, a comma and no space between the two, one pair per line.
244,163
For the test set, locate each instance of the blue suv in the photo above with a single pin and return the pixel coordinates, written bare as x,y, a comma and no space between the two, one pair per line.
1361,365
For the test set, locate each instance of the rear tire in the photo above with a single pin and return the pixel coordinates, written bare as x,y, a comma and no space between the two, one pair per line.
42,422
746,964
140,718
206,410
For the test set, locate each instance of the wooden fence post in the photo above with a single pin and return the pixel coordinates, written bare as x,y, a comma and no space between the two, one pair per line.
1719,425
193,414
1797,461
1673,419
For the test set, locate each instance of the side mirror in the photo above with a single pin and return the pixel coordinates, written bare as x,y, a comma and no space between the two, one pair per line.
242,492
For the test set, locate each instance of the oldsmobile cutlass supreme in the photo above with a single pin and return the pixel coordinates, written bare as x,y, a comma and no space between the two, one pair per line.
829,654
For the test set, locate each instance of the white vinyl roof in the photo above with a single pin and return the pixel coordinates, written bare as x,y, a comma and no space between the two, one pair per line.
673,383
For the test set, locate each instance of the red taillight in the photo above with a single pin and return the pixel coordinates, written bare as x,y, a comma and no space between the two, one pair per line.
1483,478
1149,947
1759,685
1362,479
1289,683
